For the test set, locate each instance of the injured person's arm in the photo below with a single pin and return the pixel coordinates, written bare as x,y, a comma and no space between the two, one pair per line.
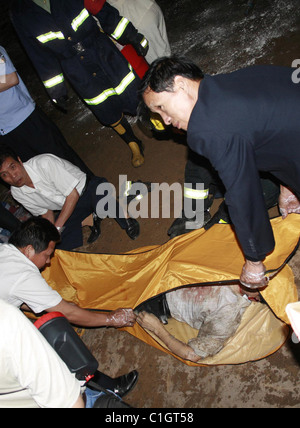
151,323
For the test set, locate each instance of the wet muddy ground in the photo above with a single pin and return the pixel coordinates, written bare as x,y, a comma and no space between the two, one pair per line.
219,37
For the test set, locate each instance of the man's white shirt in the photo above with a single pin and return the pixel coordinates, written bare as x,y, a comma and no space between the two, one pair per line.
53,179
22,282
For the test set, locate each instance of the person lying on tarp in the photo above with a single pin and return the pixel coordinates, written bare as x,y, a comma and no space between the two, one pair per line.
242,122
47,184
29,250
216,311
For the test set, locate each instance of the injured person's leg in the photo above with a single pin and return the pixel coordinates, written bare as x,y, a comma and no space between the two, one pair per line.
216,311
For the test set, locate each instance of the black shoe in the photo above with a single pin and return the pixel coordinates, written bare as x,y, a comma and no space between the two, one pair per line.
95,229
221,216
121,385
133,228
179,226
125,383
157,306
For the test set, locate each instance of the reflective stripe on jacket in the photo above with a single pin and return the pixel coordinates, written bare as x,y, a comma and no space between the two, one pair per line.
68,43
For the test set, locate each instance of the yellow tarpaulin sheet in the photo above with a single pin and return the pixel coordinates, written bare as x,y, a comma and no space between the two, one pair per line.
108,282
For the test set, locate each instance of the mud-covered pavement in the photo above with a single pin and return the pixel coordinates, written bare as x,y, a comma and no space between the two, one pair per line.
219,37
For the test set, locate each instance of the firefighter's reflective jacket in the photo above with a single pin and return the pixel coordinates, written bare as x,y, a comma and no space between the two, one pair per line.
69,44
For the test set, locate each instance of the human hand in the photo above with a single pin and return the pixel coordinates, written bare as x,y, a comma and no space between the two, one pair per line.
121,318
148,321
288,203
253,275
141,45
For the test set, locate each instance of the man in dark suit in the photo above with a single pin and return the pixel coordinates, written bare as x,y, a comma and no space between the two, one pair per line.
243,122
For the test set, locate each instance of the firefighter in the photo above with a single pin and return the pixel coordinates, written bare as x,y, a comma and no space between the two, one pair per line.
199,170
63,40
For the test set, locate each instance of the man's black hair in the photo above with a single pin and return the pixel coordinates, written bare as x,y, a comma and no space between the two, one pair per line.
161,74
37,232
6,152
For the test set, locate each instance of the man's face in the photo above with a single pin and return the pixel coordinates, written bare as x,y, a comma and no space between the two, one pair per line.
41,259
13,172
175,107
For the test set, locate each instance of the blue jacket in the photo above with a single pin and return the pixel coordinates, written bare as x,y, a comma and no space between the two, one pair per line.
245,122
68,43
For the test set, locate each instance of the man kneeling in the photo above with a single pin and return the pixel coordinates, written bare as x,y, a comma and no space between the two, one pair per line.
58,191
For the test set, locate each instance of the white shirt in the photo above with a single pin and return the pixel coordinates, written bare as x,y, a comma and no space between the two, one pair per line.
31,372
148,19
53,179
22,282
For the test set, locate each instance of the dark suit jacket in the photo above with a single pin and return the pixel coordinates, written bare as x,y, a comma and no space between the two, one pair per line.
245,122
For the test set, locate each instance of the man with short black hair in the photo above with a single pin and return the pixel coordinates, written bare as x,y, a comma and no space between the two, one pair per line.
29,250
46,184
243,122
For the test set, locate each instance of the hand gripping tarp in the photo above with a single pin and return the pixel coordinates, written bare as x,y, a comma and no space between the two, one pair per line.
107,282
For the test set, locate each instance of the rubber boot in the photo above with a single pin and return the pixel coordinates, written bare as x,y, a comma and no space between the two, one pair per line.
124,130
151,124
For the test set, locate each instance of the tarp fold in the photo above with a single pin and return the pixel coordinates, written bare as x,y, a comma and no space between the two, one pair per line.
108,281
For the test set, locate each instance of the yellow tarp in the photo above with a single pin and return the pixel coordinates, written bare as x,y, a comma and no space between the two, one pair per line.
108,282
